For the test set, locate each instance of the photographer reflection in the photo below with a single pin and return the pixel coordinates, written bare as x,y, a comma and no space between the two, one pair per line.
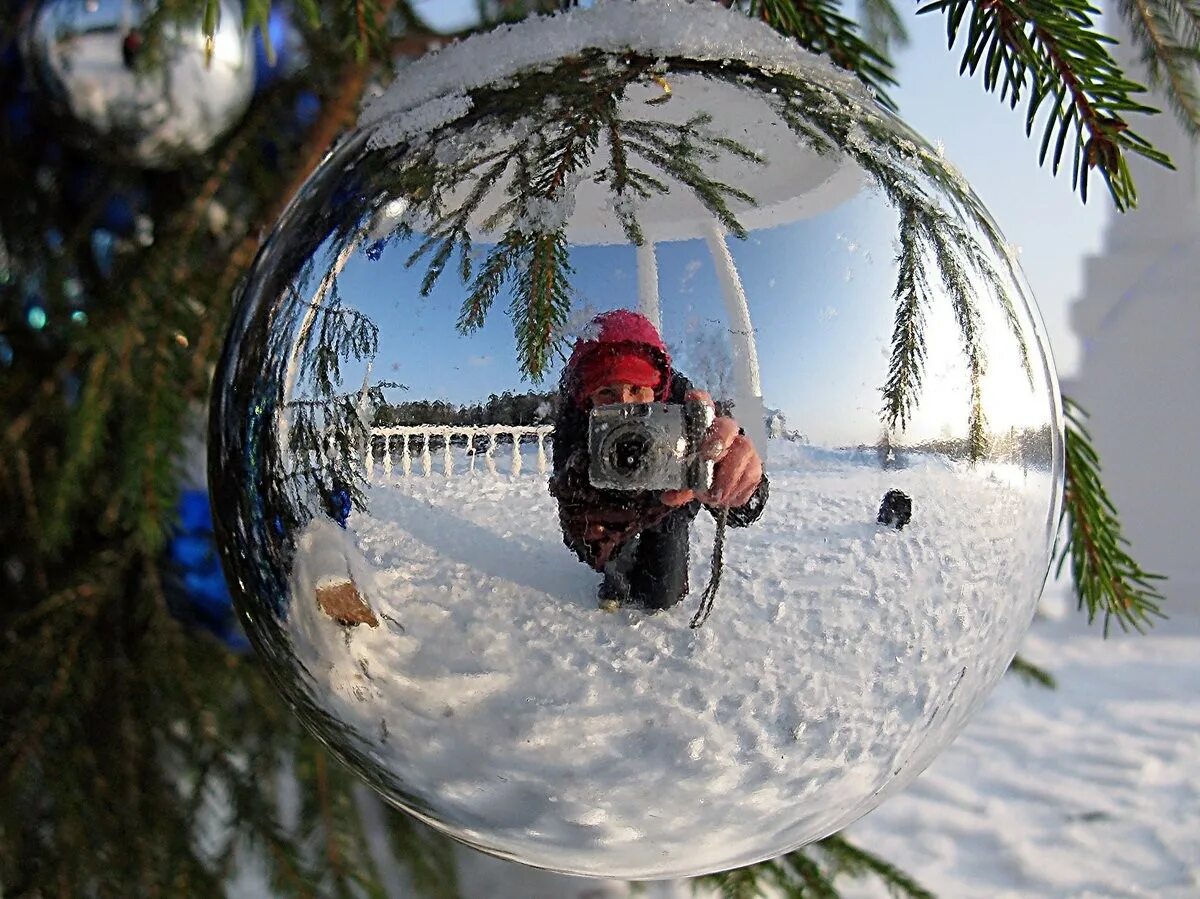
637,453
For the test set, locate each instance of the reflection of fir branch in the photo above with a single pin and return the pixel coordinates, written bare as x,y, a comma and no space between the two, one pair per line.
962,299
541,301
681,150
906,368
1107,579
574,109
454,229
326,431
926,231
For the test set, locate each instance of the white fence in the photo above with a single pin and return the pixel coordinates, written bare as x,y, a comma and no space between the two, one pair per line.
405,447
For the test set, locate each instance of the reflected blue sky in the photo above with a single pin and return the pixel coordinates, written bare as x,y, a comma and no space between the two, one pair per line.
1040,214
820,291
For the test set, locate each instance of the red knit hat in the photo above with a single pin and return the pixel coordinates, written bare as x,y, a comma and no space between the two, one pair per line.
619,347
616,365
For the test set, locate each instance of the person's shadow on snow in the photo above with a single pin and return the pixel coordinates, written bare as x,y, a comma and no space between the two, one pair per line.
537,561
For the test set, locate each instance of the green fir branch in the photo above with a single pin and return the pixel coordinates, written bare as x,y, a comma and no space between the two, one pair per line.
956,280
857,863
681,151
1167,35
911,294
882,26
1044,49
1109,583
541,300
1031,674
819,26
811,872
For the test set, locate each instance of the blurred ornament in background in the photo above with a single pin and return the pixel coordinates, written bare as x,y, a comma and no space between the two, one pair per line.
6,352
306,108
36,316
280,53
140,86
804,257
103,242
196,590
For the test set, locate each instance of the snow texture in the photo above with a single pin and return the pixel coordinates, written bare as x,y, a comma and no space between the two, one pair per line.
1089,790
666,28
840,658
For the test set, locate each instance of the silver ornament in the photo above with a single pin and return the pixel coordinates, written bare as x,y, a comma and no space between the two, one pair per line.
149,92
570,202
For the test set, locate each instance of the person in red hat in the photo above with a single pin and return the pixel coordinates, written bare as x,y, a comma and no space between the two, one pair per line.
639,539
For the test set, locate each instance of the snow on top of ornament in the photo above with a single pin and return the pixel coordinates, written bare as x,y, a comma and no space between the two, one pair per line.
700,31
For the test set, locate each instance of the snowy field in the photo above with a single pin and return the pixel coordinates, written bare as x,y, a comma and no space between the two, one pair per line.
840,655
1090,790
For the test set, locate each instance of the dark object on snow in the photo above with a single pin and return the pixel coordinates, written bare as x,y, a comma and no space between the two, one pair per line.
895,510
338,503
131,48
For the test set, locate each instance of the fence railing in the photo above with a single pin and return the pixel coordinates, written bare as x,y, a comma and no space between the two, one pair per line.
397,450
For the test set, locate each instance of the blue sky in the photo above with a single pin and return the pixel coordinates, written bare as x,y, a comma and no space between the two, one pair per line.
986,141
1039,214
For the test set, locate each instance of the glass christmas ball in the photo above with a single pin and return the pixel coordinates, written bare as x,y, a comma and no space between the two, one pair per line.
147,88
455,411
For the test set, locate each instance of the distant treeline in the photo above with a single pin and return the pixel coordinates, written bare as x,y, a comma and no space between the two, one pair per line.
507,408
1029,447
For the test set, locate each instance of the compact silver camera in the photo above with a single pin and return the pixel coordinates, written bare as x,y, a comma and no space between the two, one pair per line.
649,446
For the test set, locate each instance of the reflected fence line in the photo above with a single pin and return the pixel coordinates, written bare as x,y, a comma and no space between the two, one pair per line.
408,450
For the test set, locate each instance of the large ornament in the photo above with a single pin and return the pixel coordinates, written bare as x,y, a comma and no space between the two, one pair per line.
535,231
147,88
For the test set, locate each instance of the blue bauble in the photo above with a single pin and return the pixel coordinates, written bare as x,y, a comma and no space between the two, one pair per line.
287,44
200,597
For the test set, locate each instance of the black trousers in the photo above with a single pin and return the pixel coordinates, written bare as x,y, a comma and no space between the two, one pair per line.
651,568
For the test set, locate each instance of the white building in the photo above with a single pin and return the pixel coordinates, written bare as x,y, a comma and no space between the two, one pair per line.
1139,322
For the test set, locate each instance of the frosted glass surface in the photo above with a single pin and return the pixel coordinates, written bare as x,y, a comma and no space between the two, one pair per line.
370,445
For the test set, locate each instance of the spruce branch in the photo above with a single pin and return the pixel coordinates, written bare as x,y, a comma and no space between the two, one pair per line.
1042,50
961,293
911,295
541,300
1031,673
883,27
857,863
560,118
1167,36
1108,582
812,872
819,26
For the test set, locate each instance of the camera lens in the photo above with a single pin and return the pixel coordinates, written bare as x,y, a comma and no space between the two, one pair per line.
628,452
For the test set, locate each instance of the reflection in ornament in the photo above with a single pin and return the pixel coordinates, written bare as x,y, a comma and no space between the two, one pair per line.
142,85
544,171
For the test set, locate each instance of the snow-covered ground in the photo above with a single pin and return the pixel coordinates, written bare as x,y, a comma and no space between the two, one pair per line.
1092,789
1089,790
841,656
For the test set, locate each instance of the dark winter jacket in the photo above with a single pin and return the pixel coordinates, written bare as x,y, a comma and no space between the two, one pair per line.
623,513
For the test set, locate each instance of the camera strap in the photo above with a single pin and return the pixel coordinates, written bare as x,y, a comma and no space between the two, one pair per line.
714,578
